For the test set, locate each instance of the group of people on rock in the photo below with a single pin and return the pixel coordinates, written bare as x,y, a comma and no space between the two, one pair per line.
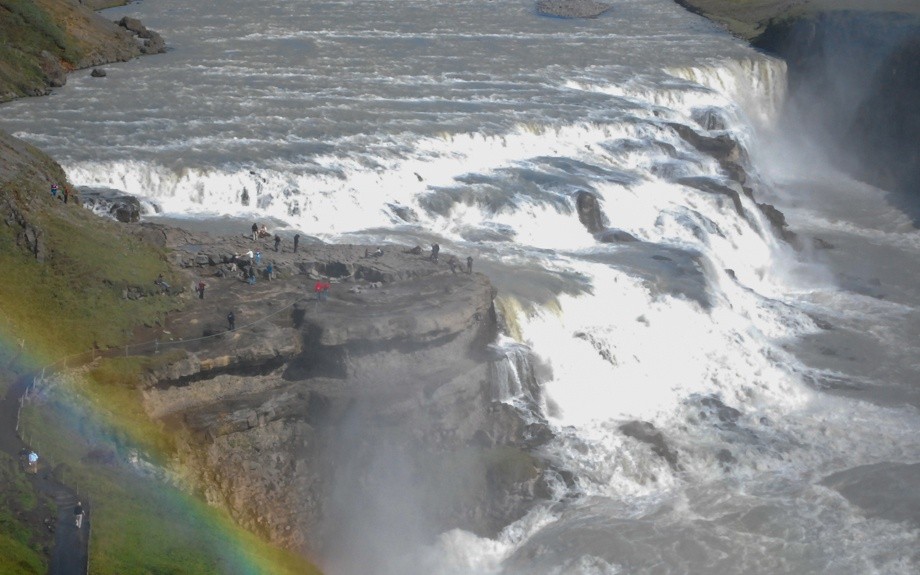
452,261
247,267
261,232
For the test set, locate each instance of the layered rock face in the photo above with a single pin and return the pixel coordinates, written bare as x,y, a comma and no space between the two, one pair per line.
310,405
853,79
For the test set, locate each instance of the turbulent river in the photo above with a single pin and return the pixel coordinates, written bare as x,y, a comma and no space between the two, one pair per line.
784,380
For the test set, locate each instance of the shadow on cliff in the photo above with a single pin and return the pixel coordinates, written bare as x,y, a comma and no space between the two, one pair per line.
854,83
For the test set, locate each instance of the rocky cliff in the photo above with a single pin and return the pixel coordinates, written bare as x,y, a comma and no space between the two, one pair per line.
853,79
306,400
46,39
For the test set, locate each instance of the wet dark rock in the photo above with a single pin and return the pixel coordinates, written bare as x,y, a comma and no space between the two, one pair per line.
599,346
98,73
777,219
821,323
572,8
615,236
820,244
589,211
712,407
149,41
114,203
710,119
647,433
710,186
721,147
726,459
404,213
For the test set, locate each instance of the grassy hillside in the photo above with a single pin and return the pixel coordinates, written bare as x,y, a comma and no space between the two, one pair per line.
77,282
72,269
42,39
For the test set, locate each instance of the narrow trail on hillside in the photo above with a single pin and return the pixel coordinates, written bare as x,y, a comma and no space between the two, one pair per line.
71,545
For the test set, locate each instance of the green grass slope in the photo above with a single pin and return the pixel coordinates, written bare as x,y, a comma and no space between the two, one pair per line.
40,39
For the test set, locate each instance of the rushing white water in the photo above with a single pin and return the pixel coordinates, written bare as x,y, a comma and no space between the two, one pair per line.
477,123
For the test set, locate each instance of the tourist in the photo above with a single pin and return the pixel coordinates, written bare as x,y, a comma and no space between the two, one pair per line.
200,289
54,190
453,262
252,274
469,264
258,257
435,248
296,241
231,321
78,514
161,283
322,289
269,271
255,231
277,241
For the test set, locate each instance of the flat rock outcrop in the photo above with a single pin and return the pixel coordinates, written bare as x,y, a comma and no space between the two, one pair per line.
391,369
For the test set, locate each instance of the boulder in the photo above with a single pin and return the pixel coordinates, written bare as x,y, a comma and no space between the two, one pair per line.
572,8
98,73
149,41
647,433
589,211
112,203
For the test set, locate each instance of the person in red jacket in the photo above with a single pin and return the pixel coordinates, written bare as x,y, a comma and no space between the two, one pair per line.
322,289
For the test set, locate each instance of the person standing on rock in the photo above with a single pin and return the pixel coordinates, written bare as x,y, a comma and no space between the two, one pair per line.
296,241
269,271
231,321
435,248
255,231
469,264
277,241
322,290
200,289
454,263
252,274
